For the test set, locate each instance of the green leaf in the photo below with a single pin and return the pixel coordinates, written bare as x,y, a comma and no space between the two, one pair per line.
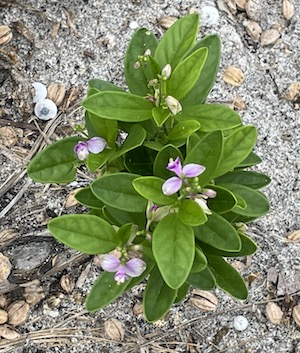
248,248
224,200
173,248
209,72
237,147
186,74
136,80
207,152
256,202
210,116
139,161
153,145
97,161
203,280
160,115
158,297
192,141
124,233
177,41
116,190
56,163
251,179
191,213
120,106
218,233
87,198
100,85
150,188
162,159
183,129
227,277
135,138
86,233
181,293
200,261
104,291
250,160
122,217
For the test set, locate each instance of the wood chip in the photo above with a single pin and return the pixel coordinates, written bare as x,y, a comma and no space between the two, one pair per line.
233,76
114,329
274,313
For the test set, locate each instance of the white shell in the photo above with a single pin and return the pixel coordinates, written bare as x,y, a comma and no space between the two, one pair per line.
210,16
240,323
40,91
133,25
45,109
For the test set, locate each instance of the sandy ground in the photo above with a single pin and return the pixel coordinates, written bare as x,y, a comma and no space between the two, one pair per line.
70,42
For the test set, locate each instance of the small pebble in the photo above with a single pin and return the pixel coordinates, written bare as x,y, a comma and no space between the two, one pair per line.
210,16
45,109
133,25
240,323
40,91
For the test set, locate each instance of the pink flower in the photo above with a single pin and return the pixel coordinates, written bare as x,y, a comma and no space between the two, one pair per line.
94,145
173,184
132,268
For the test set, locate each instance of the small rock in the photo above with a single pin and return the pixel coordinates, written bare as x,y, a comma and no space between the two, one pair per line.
8,136
240,323
293,92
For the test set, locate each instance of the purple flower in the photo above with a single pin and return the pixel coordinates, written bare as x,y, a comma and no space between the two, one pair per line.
173,184
132,268
94,145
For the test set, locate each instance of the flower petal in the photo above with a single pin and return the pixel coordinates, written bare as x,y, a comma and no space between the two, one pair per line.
81,149
135,267
171,186
96,144
173,104
203,205
110,262
175,166
193,170
120,276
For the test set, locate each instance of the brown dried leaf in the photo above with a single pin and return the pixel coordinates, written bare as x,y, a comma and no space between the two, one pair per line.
5,267
233,76
167,21
5,35
274,313
8,333
269,37
71,200
67,283
33,292
8,136
138,309
204,300
56,92
114,329
3,316
296,314
288,9
18,313
7,234
295,236
3,301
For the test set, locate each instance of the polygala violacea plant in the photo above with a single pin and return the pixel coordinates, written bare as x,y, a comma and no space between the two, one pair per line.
173,188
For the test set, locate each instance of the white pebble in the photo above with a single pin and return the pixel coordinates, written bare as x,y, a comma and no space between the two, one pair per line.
210,16
133,25
40,91
240,323
45,109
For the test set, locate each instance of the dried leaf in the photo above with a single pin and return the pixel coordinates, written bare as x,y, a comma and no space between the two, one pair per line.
204,300
253,29
114,329
71,201
67,283
254,9
3,316
233,76
167,21
56,92
274,313
8,333
138,309
18,313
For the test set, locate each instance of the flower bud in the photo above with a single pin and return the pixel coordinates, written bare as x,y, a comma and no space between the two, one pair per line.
166,71
147,52
173,104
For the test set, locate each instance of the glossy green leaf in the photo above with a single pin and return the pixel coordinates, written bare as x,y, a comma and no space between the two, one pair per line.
154,145
208,153
136,79
97,161
104,291
120,106
186,74
227,277
181,293
237,147
250,160
203,280
56,163
191,213
177,41
256,202
150,187
183,129
100,85
135,138
119,217
209,72
173,248
139,161
218,233
248,248
253,180
158,297
211,116
116,190
224,200
87,198
160,115
86,233
162,159
200,261
192,141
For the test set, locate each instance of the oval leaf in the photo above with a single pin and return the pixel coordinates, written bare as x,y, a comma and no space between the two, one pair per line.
87,198
203,280
191,213
162,159
251,179
183,129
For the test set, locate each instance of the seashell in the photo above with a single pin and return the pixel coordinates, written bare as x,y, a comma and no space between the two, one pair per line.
166,22
114,329
45,109
204,300
133,25
269,37
233,76
296,314
254,9
40,91
240,323
5,267
8,333
18,313
274,313
56,92
288,9
5,35
253,29
210,16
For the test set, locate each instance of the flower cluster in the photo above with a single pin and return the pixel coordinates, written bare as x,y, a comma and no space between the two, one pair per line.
94,145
